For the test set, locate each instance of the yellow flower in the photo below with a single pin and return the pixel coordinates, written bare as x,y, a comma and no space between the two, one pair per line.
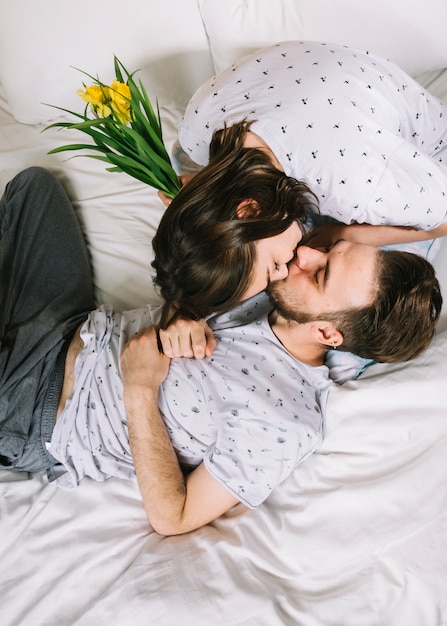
98,97
124,130
119,94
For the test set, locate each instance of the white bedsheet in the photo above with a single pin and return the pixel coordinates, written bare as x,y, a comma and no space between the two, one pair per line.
357,536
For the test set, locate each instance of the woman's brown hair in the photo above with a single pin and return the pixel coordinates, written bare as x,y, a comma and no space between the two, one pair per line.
204,248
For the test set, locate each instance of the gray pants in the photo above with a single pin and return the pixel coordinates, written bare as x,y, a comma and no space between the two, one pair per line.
46,291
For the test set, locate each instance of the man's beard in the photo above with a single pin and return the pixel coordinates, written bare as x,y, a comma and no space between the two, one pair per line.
287,304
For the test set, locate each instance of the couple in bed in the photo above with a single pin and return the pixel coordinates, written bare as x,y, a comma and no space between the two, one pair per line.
244,416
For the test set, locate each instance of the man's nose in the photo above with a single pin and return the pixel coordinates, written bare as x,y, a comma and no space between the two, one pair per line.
308,257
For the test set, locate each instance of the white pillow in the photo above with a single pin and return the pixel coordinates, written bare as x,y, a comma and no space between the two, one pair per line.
411,33
41,41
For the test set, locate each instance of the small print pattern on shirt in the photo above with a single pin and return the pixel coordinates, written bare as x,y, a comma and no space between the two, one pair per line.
366,138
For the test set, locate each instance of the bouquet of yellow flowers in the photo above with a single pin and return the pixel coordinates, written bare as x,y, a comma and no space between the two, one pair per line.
126,131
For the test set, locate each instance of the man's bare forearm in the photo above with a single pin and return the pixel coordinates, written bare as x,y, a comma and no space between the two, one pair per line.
159,475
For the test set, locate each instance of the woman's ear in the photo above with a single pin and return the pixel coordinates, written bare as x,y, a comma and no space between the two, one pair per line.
326,334
247,208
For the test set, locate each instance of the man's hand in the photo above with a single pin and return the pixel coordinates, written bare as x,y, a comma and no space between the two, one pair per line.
142,363
188,338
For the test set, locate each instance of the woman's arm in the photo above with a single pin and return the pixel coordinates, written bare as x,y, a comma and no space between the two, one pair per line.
174,504
382,235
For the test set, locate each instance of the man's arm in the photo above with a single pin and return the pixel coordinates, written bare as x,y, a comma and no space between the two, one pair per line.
174,504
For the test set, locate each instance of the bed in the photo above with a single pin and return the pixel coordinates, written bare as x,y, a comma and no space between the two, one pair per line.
356,536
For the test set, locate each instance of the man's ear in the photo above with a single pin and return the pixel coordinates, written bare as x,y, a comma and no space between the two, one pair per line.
247,208
326,333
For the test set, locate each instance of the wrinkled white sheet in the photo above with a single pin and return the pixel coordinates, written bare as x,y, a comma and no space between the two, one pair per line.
357,536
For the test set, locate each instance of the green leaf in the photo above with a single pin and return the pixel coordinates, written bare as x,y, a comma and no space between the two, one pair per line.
138,148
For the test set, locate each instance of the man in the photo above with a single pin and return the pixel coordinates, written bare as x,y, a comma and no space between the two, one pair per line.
236,423
255,407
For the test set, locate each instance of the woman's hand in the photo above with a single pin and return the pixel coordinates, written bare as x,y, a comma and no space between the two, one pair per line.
164,198
188,338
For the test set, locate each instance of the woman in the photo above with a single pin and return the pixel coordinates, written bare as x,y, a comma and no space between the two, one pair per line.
368,140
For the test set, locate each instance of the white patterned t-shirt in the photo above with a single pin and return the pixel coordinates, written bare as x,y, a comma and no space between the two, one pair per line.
369,141
251,412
